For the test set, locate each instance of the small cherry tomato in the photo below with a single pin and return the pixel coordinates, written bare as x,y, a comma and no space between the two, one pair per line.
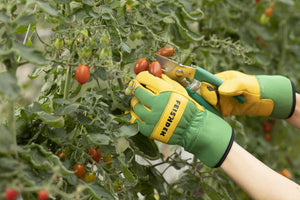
155,69
43,195
141,65
166,51
264,19
257,1
285,172
268,137
90,177
11,194
266,127
268,12
117,185
61,154
79,170
258,39
95,153
108,160
82,74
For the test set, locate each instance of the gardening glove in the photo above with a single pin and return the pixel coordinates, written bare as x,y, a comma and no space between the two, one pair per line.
272,96
165,112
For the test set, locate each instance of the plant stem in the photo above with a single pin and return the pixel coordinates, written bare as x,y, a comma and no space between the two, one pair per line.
11,121
67,83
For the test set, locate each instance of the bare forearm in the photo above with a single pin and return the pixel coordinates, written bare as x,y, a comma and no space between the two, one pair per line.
256,179
295,118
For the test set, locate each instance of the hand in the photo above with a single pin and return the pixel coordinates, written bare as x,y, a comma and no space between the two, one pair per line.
265,95
165,112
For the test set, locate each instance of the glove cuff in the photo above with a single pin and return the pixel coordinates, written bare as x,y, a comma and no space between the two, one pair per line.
212,141
281,91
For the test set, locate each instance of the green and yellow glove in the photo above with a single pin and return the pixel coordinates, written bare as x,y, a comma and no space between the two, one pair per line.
165,112
272,96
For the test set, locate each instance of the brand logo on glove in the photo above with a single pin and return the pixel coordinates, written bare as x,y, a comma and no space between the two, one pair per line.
170,118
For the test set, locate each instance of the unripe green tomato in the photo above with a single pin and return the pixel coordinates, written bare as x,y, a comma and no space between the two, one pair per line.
132,36
264,19
90,177
105,40
138,34
58,43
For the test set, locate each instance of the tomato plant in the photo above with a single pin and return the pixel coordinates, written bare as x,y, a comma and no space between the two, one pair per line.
82,74
45,109
155,69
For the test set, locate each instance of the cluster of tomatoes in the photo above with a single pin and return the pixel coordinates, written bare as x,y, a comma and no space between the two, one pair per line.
11,194
79,169
267,128
155,67
265,17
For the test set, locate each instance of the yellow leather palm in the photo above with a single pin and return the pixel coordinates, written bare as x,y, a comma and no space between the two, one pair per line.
237,83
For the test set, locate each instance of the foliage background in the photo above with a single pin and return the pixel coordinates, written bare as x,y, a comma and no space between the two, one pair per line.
110,36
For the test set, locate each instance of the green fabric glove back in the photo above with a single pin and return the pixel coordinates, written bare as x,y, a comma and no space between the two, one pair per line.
265,95
165,112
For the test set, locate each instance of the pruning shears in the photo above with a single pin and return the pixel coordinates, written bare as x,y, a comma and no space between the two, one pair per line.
182,74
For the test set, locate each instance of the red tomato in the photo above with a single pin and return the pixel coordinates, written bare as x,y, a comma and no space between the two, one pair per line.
11,194
268,137
258,38
82,74
166,51
79,170
95,153
61,154
141,65
257,1
266,127
155,69
43,195
268,12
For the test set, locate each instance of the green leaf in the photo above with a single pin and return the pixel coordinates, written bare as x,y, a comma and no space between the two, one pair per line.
125,48
40,158
128,174
145,146
67,109
36,72
5,139
98,192
3,17
32,55
52,120
47,8
25,20
127,130
9,86
98,138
